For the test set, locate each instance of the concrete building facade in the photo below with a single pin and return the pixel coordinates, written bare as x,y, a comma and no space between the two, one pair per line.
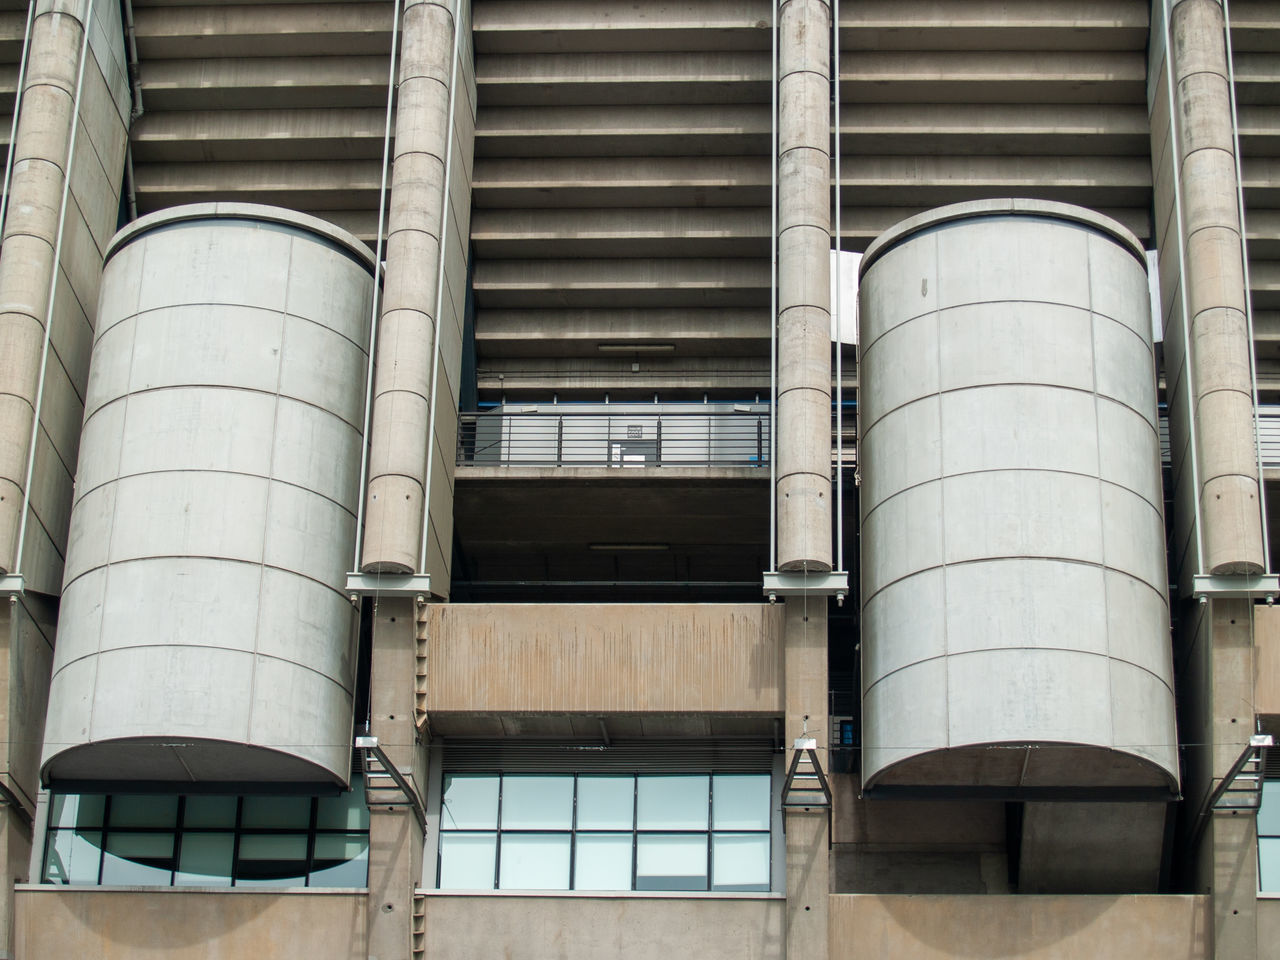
449,509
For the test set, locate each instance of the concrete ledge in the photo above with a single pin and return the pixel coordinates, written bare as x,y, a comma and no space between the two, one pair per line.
115,923
1026,927
603,928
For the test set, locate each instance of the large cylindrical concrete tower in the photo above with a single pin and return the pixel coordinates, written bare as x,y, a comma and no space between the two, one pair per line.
1015,610
205,634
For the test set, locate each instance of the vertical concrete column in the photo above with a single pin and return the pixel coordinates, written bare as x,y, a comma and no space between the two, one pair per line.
1228,854
804,287
30,233
1215,290
395,839
808,869
406,340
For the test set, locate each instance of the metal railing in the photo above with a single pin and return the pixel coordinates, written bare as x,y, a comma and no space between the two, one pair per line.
582,439
692,439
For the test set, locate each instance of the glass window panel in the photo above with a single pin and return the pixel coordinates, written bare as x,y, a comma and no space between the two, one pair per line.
740,861
671,861
602,861
347,811
466,860
278,860
740,801
138,859
73,856
534,861
341,860
205,860
210,812
606,803
1269,812
143,810
537,803
76,810
470,802
276,812
1269,865
672,803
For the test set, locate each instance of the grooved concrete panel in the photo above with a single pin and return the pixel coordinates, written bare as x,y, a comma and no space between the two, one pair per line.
1015,618
189,924
605,658
1029,928
204,633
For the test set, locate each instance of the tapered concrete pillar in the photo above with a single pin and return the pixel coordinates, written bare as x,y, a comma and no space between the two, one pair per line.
30,234
804,287
1214,288
401,420
395,838
808,857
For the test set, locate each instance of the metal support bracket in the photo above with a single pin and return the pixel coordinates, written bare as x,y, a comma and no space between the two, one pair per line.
806,785
376,765
417,586
10,799
1241,789
1264,587
12,586
833,584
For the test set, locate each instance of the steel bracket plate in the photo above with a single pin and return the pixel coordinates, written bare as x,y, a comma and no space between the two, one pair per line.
1264,587
12,586
417,586
833,584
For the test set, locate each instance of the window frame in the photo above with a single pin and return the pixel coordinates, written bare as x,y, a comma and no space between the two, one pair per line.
635,831
236,830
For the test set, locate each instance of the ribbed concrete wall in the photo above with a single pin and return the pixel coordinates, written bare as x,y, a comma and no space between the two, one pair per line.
216,500
605,658
1013,582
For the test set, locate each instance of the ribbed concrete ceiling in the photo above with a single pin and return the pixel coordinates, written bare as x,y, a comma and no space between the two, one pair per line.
1255,38
273,102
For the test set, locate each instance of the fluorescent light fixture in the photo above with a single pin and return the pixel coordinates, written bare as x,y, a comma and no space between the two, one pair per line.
636,347
629,547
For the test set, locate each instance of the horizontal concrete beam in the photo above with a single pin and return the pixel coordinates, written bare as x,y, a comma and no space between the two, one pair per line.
511,25
1007,129
630,130
623,78
264,83
1001,77
263,30
558,333
303,185
639,282
606,658
244,135
991,25
622,182
644,232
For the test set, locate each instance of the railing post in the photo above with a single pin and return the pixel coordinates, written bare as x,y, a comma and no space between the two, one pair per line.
658,460
560,441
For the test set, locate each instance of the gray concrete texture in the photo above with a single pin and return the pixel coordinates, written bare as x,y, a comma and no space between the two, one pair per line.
1013,545
416,394
56,99
216,503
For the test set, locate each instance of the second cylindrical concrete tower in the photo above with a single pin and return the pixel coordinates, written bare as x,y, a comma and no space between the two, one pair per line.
1015,610
804,287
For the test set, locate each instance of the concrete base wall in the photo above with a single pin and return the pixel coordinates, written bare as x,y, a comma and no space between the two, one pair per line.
590,928
1029,928
189,925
